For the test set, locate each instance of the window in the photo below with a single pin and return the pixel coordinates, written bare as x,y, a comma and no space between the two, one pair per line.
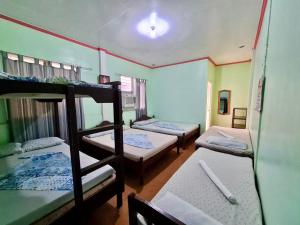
126,84
128,96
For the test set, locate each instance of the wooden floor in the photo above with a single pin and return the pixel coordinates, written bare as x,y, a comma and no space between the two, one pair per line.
155,178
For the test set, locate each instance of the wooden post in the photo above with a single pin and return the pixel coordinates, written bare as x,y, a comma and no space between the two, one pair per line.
118,131
74,146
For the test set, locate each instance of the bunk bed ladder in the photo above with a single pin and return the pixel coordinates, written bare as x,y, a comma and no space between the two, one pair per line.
74,146
74,139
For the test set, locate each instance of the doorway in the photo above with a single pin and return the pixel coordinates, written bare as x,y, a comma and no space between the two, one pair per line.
208,105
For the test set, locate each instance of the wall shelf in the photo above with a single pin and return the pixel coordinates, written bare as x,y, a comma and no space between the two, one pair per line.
239,118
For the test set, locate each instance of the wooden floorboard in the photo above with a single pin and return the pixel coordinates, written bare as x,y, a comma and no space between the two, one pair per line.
155,178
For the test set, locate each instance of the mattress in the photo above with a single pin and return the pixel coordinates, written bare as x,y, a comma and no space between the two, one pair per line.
187,128
241,134
191,184
160,142
26,206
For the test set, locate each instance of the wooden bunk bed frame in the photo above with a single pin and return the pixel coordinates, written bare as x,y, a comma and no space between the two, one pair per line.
135,166
46,92
183,140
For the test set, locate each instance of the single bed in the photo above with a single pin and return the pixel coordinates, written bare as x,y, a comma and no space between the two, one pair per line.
137,159
240,134
44,207
191,184
185,131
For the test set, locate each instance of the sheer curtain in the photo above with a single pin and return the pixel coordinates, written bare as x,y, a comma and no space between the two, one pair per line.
141,103
69,74
30,119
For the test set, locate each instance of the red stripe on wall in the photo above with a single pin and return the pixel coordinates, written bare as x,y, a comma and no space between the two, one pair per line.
46,32
129,60
177,63
231,63
124,58
260,23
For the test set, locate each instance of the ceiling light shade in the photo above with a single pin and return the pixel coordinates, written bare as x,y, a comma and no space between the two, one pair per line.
153,26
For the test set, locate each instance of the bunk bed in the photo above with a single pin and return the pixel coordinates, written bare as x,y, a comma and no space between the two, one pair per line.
95,178
136,158
239,135
191,196
184,132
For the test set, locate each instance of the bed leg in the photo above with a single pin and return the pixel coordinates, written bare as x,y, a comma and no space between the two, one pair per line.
183,141
178,148
141,172
119,200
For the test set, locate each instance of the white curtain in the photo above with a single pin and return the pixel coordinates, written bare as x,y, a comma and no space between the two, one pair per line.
30,119
141,103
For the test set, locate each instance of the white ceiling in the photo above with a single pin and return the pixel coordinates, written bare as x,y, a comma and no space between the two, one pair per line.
198,28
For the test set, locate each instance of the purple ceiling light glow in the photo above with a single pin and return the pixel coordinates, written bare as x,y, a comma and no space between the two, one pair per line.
153,26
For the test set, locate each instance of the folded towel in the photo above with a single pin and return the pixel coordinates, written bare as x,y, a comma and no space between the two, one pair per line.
184,211
217,182
136,140
167,125
226,142
225,135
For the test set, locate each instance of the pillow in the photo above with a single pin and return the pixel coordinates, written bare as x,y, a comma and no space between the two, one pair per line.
40,143
145,122
10,149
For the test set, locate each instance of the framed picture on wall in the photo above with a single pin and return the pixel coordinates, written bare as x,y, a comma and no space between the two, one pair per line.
260,94
103,79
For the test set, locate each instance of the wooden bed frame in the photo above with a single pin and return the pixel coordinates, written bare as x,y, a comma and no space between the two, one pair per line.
135,166
183,140
151,213
69,93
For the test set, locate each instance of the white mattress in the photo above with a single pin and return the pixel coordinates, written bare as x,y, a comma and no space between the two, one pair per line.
160,142
241,134
188,128
25,206
191,184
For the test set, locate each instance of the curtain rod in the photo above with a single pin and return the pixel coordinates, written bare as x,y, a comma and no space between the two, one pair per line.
60,62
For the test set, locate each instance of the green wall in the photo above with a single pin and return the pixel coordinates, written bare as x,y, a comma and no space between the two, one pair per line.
178,93
235,77
21,40
277,131
18,39
116,67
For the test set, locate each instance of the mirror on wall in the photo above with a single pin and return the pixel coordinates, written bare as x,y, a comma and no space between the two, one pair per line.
224,102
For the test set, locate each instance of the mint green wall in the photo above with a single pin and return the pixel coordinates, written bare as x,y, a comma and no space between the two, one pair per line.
18,39
258,64
178,93
236,78
278,129
212,80
117,67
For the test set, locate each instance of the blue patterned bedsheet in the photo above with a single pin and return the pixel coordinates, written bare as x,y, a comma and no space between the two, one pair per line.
136,140
45,172
167,125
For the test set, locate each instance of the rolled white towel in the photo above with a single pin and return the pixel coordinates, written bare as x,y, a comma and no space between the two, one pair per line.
226,142
218,182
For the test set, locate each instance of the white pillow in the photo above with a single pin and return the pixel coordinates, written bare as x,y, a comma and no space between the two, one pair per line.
10,149
40,143
145,122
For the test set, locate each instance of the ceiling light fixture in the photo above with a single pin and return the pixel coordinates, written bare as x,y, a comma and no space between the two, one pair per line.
153,26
